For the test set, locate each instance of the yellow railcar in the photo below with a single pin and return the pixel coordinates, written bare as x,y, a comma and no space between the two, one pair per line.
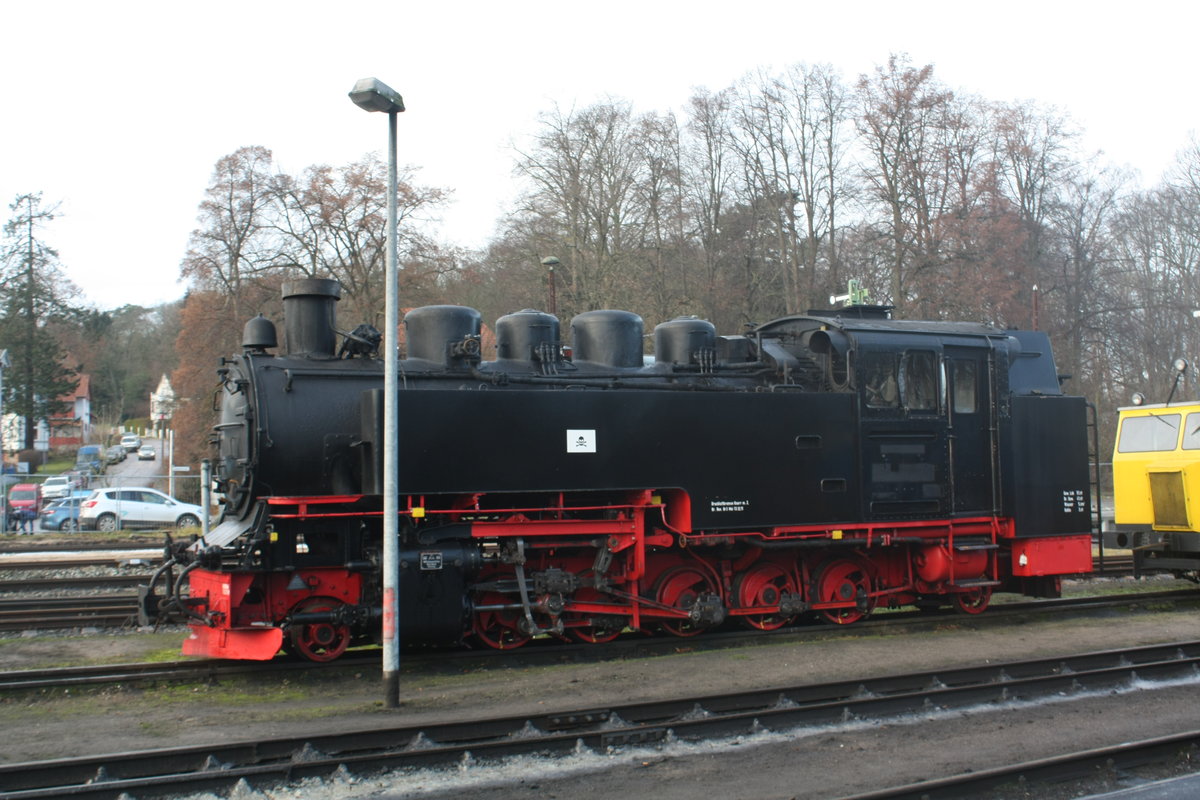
1156,486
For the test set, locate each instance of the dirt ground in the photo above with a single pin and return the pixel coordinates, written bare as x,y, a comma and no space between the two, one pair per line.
804,764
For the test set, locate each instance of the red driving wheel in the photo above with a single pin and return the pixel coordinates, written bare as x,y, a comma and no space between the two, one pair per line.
681,587
589,627
498,628
763,585
973,602
318,641
843,580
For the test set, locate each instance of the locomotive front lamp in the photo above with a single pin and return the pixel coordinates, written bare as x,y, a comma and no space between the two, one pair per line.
371,94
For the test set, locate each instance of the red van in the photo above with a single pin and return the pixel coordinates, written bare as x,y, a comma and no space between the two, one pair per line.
26,495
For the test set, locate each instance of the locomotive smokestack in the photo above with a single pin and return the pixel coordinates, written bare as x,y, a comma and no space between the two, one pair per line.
308,310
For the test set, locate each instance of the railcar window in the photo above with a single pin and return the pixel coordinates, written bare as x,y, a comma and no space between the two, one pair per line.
879,371
920,380
966,386
1191,432
1149,434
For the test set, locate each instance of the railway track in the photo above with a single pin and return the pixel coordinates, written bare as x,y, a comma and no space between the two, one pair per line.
18,546
553,652
687,719
72,584
72,561
1161,751
97,611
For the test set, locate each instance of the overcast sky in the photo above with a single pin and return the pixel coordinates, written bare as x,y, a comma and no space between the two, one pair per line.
119,110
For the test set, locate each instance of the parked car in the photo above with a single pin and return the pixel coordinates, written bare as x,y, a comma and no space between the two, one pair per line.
135,507
90,457
81,476
146,452
62,515
115,454
131,442
57,487
26,496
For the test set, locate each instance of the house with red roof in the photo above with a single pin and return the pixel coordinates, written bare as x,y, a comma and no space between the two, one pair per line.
73,426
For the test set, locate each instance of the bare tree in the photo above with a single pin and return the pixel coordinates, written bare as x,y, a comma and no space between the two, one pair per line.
901,118
332,223
1077,291
233,243
584,171
1034,163
708,177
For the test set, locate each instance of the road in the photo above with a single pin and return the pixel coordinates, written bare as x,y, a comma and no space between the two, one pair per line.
133,472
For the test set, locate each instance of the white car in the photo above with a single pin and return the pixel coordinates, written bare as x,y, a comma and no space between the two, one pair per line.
131,442
135,507
57,487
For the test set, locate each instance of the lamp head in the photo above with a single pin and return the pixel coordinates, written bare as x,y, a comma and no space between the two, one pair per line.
372,94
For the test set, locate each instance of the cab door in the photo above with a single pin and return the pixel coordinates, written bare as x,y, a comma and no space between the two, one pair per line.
970,428
903,423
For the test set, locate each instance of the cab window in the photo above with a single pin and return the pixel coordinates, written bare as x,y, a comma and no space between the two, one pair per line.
1191,432
966,386
1159,433
879,380
919,380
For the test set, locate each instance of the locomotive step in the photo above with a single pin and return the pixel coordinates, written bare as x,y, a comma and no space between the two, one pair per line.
963,548
974,583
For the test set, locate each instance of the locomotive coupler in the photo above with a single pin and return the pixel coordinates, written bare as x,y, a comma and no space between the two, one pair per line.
147,606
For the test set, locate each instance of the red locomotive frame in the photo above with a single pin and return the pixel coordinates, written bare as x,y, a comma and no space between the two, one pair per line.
659,570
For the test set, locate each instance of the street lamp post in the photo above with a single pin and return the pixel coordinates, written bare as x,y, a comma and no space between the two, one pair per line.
550,262
371,94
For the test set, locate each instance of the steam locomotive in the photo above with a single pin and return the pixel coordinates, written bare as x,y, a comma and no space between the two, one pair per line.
822,464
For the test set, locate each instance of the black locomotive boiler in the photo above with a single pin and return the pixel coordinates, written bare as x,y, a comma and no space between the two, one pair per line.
824,464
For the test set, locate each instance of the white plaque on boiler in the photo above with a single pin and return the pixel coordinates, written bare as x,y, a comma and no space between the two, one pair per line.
581,441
